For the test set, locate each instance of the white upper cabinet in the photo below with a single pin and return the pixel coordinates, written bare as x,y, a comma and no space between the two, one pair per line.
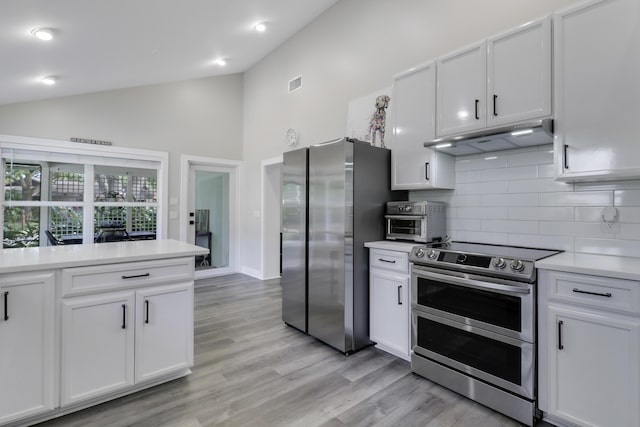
413,166
461,91
502,80
597,95
519,73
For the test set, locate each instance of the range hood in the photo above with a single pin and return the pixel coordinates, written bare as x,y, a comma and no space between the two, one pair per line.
519,135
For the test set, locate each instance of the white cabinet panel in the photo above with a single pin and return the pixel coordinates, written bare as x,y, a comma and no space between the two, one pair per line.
164,330
519,73
97,345
596,95
461,90
594,376
389,312
26,345
414,166
389,301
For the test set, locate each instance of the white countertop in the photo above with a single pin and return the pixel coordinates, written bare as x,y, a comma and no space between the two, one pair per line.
392,245
29,259
599,265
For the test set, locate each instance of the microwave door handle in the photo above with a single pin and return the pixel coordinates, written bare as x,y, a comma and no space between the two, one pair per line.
477,284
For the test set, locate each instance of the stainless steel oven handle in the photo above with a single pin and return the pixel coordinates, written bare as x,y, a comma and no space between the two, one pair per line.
405,217
476,284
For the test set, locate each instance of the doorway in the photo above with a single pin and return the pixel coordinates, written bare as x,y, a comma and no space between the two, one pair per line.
208,213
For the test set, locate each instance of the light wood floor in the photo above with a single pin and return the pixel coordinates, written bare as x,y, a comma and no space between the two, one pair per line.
252,370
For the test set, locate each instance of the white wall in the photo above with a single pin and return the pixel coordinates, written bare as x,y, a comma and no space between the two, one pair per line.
197,117
514,199
350,51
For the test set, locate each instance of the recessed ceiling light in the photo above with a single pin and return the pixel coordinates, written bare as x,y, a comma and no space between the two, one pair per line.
261,27
221,62
42,33
49,80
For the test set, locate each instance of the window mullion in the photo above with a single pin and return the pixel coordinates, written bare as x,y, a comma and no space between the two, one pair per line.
87,205
45,195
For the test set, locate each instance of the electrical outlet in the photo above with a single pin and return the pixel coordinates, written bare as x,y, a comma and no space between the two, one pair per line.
610,227
609,219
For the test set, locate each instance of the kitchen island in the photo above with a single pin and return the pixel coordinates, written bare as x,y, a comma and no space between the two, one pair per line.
83,324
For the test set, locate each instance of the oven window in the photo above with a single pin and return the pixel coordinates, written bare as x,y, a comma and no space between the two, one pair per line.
405,226
489,307
493,357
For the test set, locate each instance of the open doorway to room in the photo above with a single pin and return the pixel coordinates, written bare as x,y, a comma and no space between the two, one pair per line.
271,221
209,211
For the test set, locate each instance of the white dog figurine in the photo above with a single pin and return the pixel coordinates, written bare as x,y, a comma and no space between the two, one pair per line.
378,119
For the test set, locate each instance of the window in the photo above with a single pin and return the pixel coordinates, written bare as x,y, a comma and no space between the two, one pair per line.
73,196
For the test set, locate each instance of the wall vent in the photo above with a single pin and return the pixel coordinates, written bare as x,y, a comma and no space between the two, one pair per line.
295,84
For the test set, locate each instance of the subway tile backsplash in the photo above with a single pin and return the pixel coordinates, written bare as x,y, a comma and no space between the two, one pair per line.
512,198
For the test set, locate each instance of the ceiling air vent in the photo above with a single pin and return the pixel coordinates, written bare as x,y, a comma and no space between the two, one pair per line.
295,84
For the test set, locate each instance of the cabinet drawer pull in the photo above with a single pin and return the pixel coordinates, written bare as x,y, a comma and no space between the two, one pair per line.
146,306
386,260
135,276
560,346
426,171
495,111
604,294
399,296
477,102
6,306
124,316
566,161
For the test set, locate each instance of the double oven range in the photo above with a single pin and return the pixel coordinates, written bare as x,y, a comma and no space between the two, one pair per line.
474,322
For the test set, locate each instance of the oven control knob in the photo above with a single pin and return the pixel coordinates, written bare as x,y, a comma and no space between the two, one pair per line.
517,265
432,254
419,252
499,263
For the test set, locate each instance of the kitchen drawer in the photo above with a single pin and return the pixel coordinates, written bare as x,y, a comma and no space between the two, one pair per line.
389,260
86,280
595,291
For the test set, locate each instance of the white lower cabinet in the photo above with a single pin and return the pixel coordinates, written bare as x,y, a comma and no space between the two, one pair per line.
114,340
97,345
389,302
164,330
26,345
589,358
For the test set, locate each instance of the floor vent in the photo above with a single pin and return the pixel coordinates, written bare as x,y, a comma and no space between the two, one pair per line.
295,84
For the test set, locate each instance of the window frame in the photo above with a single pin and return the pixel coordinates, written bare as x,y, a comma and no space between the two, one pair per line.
41,150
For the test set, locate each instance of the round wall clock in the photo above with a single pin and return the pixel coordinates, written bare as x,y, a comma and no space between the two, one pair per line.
291,137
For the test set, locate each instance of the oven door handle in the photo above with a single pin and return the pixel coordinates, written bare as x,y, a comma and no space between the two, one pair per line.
405,217
477,284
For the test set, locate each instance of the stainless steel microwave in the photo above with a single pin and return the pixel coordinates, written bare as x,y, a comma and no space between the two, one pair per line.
422,222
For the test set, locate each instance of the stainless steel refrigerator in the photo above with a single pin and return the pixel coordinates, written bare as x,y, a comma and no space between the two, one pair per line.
333,199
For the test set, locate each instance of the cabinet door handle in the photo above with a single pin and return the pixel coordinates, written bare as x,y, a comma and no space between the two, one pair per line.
426,171
146,306
560,346
495,111
124,316
477,102
564,154
6,306
399,296
579,291
386,260
135,276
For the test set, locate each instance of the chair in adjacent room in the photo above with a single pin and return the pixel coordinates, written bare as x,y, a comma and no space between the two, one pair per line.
53,240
